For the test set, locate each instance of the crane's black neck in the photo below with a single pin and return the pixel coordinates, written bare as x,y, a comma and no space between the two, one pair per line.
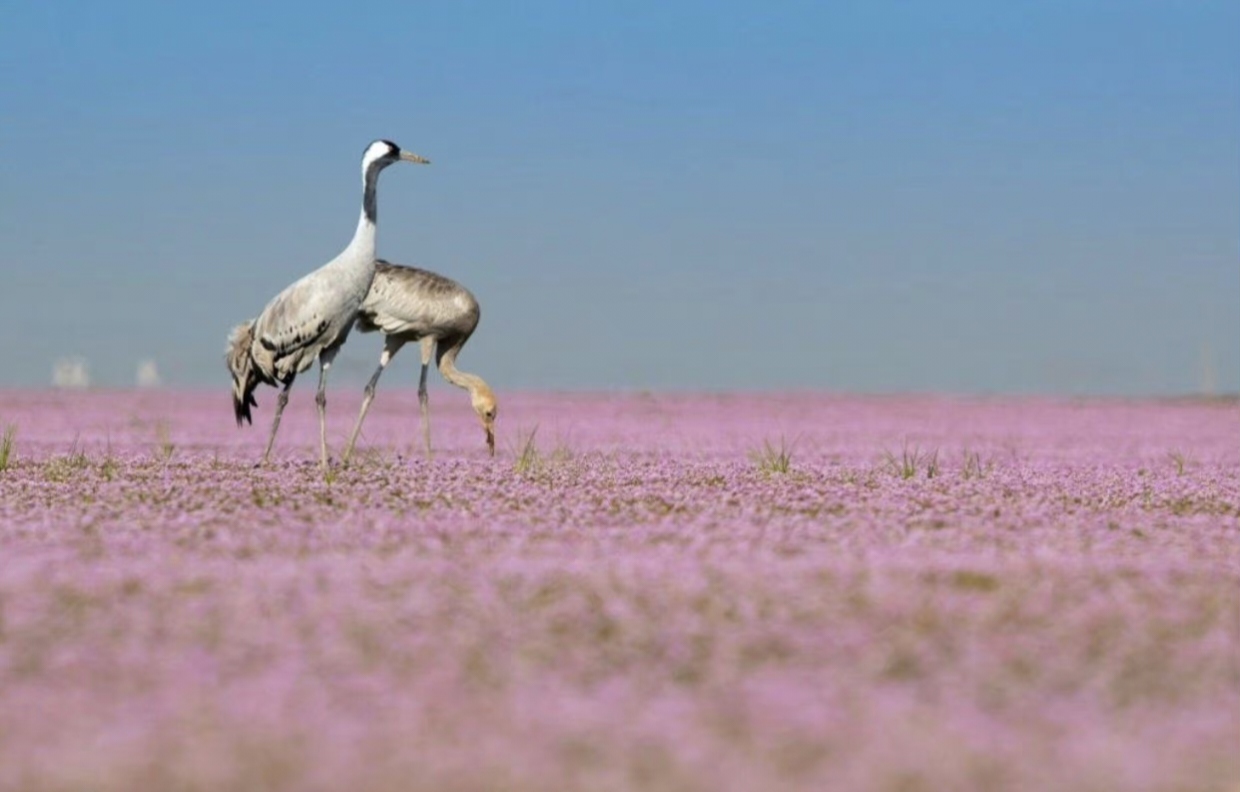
370,192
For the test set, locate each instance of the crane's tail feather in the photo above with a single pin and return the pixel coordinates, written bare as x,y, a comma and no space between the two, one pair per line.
241,367
241,406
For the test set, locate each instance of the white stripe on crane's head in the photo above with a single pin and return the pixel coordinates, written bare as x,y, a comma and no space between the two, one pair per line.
384,151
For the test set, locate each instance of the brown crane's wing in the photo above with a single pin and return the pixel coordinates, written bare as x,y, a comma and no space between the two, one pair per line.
416,302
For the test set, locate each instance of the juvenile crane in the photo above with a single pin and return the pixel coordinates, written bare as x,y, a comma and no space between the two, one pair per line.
410,304
311,319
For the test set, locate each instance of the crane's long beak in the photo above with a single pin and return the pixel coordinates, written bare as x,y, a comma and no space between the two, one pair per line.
409,156
491,439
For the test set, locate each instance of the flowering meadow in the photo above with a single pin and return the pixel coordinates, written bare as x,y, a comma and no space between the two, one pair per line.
647,592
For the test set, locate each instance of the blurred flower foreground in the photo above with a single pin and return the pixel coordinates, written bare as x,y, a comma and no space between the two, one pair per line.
666,592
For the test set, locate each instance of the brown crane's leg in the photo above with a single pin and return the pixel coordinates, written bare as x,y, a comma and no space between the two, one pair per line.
281,403
391,346
428,349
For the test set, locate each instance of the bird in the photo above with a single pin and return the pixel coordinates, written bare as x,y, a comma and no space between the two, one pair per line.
411,304
311,319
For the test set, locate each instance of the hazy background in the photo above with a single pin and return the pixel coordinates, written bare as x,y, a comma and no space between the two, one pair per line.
969,196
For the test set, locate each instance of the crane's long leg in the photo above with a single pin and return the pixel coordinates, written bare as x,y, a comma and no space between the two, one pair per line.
390,347
320,399
428,348
281,403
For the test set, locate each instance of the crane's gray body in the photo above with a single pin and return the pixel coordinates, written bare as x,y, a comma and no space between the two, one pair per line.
310,319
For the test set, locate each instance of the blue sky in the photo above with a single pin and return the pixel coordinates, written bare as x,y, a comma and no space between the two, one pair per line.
964,197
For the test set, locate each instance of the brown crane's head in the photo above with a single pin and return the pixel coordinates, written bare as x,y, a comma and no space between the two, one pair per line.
485,405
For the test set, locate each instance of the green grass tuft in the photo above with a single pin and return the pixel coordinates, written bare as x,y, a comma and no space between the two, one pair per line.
6,446
772,459
911,462
529,459
109,465
974,466
164,437
65,468
1180,460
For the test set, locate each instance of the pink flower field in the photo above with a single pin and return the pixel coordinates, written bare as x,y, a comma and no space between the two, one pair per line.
647,592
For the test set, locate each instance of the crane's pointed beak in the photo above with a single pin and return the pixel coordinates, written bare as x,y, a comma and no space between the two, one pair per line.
409,156
491,439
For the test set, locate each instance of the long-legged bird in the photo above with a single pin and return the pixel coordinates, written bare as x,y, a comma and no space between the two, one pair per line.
310,320
410,304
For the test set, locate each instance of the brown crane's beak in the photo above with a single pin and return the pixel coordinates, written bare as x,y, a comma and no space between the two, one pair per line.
491,439
409,156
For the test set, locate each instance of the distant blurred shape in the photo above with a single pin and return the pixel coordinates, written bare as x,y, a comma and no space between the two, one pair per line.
71,372
148,374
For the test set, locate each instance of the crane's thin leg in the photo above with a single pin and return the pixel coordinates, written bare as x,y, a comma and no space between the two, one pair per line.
428,348
320,398
281,403
390,347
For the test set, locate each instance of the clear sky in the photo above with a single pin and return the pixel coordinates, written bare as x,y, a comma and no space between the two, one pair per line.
868,196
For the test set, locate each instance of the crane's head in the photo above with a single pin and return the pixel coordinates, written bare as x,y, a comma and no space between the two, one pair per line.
485,405
382,153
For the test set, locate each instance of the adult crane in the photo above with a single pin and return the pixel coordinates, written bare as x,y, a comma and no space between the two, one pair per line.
310,320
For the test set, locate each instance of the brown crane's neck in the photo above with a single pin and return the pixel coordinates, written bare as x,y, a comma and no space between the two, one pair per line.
462,379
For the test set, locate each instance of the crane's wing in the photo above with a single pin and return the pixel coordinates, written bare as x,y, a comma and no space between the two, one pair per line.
408,300
297,320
